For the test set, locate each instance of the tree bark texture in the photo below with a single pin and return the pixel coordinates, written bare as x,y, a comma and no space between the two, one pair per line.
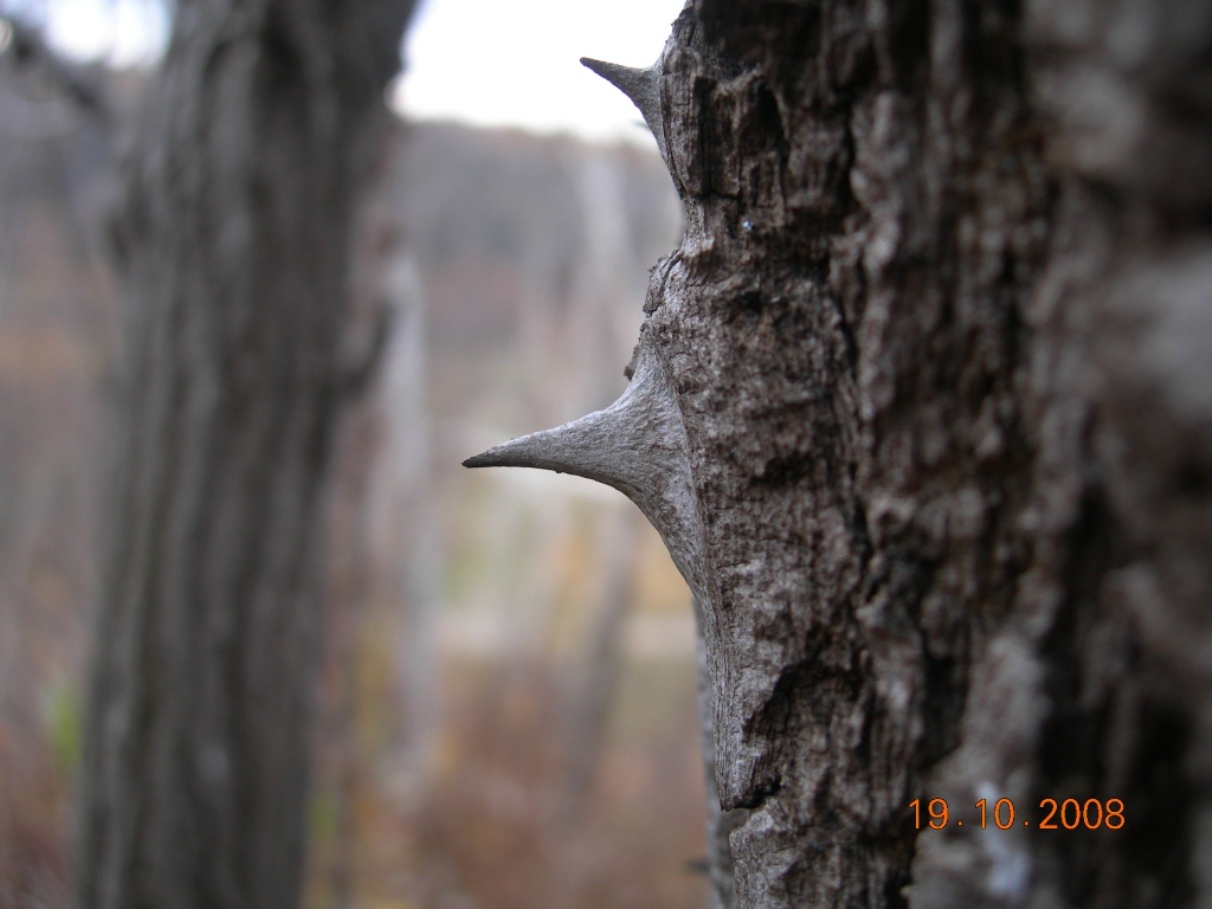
237,360
940,332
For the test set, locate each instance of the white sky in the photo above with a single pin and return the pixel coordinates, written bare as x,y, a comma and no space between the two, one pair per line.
488,62
124,32
516,62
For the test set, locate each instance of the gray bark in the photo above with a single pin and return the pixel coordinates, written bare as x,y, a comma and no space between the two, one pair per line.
937,348
236,365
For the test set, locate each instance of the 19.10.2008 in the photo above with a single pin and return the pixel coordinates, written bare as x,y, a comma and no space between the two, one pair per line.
1067,814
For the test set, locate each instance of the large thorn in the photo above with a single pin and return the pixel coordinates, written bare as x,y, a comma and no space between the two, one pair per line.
636,445
642,86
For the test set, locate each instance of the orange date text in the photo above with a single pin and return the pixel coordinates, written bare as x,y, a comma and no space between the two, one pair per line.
1067,814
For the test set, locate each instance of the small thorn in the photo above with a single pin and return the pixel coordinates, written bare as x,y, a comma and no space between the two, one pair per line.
642,86
579,448
636,445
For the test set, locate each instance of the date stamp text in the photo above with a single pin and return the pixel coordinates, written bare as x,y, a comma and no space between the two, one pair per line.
1067,814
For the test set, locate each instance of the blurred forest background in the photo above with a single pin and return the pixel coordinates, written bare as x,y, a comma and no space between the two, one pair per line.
508,697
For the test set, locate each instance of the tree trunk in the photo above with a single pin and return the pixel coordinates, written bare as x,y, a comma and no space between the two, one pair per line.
923,405
237,362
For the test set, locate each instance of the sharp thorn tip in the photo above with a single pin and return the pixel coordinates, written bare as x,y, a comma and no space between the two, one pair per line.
484,459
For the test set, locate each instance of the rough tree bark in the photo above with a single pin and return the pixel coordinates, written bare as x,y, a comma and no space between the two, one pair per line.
931,438
236,365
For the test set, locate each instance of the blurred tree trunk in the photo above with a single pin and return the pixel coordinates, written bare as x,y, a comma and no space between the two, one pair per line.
940,333
238,359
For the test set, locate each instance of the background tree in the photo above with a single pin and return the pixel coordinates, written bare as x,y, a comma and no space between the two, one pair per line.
238,357
921,409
